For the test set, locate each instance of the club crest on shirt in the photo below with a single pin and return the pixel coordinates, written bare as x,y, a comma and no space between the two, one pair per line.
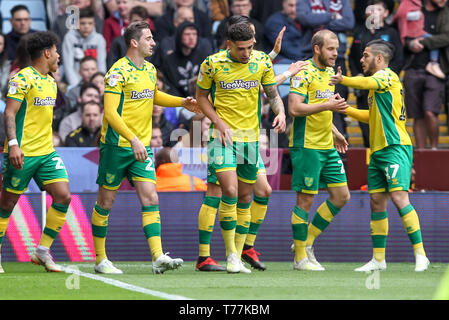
308,181
13,87
252,67
113,79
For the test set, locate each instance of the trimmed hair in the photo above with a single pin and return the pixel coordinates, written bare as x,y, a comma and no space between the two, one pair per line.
383,48
90,102
238,19
240,32
37,42
140,11
87,13
319,37
88,85
18,7
382,2
134,31
87,58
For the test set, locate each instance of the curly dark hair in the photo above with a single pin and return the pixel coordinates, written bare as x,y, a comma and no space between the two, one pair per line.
240,32
40,41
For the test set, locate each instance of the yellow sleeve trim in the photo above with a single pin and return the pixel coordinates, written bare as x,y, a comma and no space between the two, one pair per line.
363,83
166,100
111,103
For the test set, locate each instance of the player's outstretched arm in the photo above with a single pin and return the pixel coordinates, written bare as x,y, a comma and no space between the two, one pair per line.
16,156
224,133
277,106
362,83
166,100
293,69
359,115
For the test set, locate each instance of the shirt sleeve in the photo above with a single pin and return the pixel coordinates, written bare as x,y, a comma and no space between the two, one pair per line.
299,83
268,78
114,81
205,75
384,79
18,87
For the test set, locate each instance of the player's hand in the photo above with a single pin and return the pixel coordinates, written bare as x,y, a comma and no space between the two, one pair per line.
337,103
191,104
278,42
16,157
340,143
298,66
224,133
336,78
279,123
139,150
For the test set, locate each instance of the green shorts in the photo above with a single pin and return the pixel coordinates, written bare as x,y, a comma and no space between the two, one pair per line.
117,163
212,177
241,156
43,169
314,169
390,169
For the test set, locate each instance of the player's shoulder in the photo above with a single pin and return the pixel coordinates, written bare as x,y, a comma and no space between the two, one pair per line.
218,57
260,56
119,66
24,74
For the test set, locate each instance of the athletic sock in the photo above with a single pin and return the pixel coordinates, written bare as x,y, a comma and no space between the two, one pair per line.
410,221
99,231
379,233
323,217
4,220
227,214
243,221
258,211
206,221
151,222
300,219
56,216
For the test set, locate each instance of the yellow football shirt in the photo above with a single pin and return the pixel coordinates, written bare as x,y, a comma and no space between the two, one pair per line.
235,90
387,117
37,94
312,131
137,88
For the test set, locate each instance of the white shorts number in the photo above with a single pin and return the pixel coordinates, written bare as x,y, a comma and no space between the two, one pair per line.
59,163
395,168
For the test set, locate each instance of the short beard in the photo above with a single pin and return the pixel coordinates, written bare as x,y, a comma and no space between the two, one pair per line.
371,67
322,61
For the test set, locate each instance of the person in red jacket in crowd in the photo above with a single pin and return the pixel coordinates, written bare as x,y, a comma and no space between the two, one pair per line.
115,25
169,176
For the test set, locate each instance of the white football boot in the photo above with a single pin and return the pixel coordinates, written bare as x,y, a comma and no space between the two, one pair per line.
373,265
106,267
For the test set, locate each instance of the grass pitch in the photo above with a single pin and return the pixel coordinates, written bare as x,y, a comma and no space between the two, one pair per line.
279,282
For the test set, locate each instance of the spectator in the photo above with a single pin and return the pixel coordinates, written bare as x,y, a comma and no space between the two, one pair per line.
5,67
198,133
86,135
88,67
61,108
410,21
98,80
156,136
22,57
117,22
337,16
20,23
183,64
89,92
81,43
169,176
360,10
423,90
263,9
165,126
118,45
165,24
199,4
59,26
241,8
376,13
219,9
291,44
154,8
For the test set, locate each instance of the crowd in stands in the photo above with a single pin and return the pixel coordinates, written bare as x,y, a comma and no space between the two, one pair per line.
187,31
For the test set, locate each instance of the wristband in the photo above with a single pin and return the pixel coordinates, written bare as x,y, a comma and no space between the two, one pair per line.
12,142
272,55
287,74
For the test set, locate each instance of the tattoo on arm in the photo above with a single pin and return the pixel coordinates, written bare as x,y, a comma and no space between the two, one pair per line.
274,99
10,127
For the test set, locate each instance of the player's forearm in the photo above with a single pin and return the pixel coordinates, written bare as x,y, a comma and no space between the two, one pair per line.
207,108
10,126
111,101
359,115
166,100
301,109
274,99
363,83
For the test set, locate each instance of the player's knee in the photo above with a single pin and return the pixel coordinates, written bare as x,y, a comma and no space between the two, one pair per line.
263,192
400,199
63,198
230,191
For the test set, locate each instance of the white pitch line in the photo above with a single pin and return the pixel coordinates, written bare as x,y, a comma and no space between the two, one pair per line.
124,285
